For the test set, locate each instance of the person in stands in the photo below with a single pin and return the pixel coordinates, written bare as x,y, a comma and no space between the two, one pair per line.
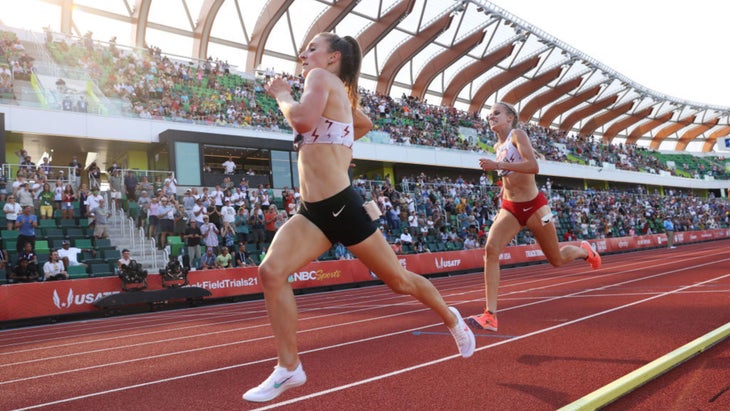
11,209
224,259
69,255
54,269
101,216
24,272
242,257
209,260
26,224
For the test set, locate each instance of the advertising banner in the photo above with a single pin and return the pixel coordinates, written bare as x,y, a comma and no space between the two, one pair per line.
54,298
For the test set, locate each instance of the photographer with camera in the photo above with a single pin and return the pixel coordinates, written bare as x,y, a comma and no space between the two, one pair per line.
174,274
131,272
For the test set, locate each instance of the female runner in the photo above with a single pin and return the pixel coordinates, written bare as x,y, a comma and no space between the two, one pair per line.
522,205
326,122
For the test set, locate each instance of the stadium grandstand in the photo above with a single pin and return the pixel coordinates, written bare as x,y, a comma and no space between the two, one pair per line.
172,90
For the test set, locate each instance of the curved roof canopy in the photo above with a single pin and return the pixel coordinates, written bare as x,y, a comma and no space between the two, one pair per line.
469,54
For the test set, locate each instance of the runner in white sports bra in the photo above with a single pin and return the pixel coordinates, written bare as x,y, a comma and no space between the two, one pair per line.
508,153
328,121
327,132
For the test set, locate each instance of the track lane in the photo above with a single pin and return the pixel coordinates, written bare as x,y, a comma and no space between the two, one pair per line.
351,315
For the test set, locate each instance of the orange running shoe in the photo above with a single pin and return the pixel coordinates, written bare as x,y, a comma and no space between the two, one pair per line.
486,321
593,258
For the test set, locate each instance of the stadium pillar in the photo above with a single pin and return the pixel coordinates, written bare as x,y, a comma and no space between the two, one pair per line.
66,16
388,173
2,138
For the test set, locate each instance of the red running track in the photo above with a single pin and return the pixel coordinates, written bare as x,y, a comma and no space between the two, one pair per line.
563,333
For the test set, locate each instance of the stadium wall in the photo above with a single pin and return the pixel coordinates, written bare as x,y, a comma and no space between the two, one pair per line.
58,298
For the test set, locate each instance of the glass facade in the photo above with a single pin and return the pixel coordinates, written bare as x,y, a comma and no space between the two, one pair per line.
187,161
283,169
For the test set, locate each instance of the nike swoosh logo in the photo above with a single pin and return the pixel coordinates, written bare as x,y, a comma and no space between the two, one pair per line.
278,385
524,210
335,215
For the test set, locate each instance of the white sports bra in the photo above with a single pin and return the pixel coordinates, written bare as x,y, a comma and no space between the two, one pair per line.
327,132
508,153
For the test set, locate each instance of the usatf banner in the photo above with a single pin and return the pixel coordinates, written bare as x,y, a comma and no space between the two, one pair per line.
55,298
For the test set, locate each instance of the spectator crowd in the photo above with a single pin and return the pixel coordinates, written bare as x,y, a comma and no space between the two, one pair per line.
231,224
153,85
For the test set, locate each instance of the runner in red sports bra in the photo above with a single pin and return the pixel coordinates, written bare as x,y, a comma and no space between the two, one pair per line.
523,205
523,210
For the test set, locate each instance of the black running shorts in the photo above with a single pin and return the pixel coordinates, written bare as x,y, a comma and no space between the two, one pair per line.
340,217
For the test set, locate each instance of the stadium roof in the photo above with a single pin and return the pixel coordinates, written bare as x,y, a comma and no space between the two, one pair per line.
467,54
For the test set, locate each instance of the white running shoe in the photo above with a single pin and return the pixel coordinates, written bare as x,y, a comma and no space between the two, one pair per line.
463,335
279,381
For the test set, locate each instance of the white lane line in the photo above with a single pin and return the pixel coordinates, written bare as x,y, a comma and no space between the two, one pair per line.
496,344
405,303
385,295
215,313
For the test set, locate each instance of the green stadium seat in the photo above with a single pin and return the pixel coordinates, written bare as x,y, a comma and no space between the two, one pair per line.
55,243
176,245
47,223
111,255
100,270
41,246
42,258
9,234
256,258
89,258
103,243
82,243
68,223
73,233
52,233
77,271
9,243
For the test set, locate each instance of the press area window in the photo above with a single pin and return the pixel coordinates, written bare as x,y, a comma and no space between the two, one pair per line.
256,159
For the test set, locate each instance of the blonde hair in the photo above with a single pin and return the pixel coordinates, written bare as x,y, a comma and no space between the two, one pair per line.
513,110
